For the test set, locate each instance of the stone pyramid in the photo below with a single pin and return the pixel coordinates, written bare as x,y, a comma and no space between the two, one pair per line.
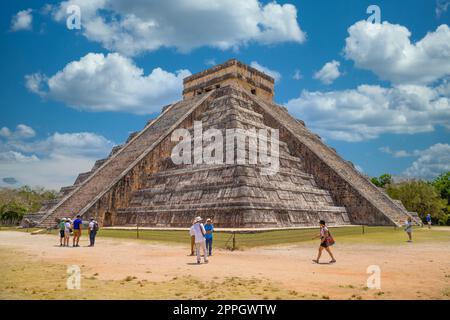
140,183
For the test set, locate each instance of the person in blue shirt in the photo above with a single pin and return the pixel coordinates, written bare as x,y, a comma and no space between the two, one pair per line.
428,218
77,224
209,228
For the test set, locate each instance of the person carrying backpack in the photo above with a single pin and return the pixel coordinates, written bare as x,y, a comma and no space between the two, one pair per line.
93,228
62,227
428,218
326,241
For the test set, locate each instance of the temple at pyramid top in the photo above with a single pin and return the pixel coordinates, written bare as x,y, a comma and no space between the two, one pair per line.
232,71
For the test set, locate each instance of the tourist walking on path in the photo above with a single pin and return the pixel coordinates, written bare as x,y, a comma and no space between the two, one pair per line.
326,240
408,229
92,229
428,218
62,227
77,226
67,229
209,228
198,230
192,234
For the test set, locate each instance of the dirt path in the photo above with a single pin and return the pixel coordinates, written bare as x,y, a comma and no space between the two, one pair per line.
408,271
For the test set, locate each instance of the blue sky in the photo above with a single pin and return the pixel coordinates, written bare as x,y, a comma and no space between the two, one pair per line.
379,95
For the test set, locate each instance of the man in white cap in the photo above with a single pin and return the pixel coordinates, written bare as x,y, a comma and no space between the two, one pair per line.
198,230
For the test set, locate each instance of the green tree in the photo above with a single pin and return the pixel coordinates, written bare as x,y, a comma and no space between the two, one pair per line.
14,203
382,181
442,185
12,212
420,197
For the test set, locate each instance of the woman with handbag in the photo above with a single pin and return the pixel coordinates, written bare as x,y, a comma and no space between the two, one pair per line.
326,240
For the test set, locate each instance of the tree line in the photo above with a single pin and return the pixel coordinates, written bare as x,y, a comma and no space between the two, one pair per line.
421,196
15,203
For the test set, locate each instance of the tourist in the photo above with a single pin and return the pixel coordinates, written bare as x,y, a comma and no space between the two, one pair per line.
408,228
92,229
428,218
192,234
77,226
198,230
67,229
62,227
326,240
209,228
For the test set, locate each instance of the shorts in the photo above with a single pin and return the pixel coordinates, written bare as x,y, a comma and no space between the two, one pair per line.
61,233
76,232
324,244
67,233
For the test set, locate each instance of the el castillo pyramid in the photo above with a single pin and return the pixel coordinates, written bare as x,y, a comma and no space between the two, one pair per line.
139,183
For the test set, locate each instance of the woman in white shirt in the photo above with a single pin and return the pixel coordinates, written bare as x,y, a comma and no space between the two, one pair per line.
67,227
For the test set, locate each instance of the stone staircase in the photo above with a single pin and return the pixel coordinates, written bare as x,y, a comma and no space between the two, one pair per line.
79,199
379,200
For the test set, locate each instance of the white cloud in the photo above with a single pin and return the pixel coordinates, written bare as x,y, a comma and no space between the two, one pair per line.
52,162
415,103
135,26
22,132
210,62
13,156
52,172
370,110
400,153
431,162
386,50
67,144
22,20
35,82
329,72
109,83
5,132
274,74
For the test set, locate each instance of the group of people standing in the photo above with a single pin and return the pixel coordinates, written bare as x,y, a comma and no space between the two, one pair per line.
67,228
201,238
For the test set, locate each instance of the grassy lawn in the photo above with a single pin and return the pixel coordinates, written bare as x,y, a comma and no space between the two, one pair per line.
371,235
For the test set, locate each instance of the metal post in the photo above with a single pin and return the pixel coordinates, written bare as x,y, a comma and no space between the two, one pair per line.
363,229
137,225
234,240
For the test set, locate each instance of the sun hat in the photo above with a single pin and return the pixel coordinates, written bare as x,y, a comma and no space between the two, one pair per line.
198,219
208,220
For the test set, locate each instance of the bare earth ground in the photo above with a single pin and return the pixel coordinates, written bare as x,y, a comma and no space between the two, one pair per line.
34,266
